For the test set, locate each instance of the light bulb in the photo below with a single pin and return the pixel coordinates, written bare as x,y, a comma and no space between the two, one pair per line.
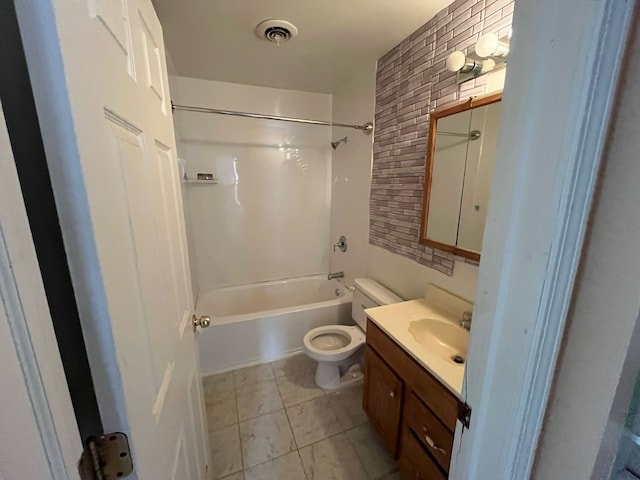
456,61
488,64
489,45
486,45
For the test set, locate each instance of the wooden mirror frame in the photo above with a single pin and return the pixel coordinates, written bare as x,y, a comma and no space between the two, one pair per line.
468,104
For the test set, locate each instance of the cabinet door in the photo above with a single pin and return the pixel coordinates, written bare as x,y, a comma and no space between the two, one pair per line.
383,392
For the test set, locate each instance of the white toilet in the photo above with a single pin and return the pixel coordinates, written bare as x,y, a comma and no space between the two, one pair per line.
336,347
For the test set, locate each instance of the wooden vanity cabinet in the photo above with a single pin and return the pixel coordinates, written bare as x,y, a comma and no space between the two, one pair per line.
411,410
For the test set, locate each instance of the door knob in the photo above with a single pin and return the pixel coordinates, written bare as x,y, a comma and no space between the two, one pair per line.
392,394
203,321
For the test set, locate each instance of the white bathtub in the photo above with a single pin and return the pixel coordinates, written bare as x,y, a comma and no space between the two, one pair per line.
261,322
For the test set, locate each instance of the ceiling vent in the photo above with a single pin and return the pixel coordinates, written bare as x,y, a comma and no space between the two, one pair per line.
276,31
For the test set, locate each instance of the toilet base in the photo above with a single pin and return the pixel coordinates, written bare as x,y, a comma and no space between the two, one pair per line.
333,375
328,375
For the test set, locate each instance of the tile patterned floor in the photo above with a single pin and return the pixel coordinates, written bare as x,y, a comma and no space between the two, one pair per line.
271,422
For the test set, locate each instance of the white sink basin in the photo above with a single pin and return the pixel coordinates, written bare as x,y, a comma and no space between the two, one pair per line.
441,337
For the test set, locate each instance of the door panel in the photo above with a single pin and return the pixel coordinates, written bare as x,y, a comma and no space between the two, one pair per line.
121,212
113,16
166,221
152,62
165,173
145,237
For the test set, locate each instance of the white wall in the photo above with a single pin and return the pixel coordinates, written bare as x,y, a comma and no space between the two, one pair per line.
409,279
353,103
268,217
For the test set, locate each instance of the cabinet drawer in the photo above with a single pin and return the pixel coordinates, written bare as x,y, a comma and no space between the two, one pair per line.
415,463
432,434
440,400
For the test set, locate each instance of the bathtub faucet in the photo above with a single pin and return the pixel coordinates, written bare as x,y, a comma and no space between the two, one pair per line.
336,275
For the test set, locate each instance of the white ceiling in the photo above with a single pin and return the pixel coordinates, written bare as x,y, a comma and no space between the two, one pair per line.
216,39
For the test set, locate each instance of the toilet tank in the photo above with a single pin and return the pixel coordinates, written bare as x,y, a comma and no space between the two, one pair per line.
368,294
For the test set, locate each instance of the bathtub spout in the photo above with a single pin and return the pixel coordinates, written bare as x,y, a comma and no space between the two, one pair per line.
336,275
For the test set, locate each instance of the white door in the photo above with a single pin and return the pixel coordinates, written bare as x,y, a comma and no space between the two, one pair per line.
100,81
40,437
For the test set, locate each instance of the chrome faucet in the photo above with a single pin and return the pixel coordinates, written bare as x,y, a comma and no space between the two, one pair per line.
465,321
336,275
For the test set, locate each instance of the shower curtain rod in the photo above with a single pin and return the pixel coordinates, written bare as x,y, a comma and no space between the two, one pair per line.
367,128
452,134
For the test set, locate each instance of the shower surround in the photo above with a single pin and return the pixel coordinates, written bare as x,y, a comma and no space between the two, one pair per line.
268,216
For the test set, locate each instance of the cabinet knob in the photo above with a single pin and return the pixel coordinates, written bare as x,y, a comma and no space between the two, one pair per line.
392,394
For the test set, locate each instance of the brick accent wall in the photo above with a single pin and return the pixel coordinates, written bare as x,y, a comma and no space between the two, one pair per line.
411,81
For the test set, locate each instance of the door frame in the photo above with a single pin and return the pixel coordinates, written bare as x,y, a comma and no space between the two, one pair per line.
42,434
22,124
564,67
522,298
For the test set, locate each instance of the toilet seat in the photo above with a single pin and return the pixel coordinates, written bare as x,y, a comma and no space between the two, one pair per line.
333,342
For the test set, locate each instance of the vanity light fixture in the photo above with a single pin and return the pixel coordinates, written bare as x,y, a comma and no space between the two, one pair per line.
490,53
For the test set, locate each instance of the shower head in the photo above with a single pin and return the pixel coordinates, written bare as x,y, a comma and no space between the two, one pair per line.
338,142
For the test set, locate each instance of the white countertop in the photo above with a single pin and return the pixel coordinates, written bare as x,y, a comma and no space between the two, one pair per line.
394,319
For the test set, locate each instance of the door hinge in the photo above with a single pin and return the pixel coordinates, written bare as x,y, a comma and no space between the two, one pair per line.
464,413
107,457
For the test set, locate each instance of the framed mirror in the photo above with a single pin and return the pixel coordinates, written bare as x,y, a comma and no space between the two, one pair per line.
461,153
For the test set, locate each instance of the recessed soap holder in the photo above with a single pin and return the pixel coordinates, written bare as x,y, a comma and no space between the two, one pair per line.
202,178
